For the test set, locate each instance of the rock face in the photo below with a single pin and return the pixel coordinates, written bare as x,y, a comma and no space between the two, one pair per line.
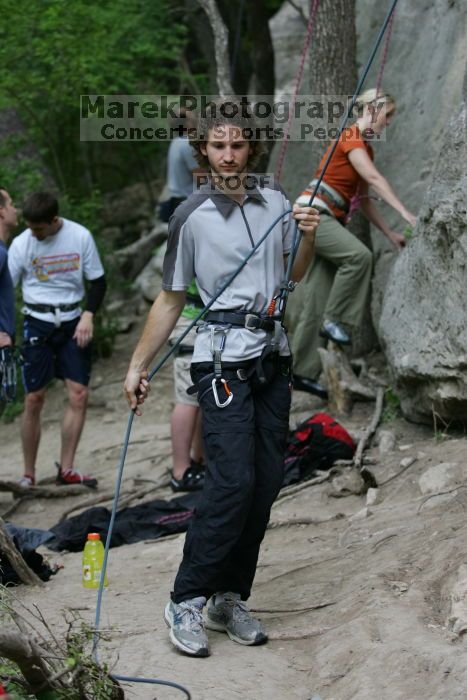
424,71
423,321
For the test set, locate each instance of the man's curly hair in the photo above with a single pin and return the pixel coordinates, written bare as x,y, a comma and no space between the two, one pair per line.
223,113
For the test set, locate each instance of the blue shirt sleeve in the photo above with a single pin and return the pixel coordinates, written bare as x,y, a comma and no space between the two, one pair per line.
7,296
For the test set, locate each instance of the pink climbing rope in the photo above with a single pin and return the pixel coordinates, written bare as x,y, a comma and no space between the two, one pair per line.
298,82
384,58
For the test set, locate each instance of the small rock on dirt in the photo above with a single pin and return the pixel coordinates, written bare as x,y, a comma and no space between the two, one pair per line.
386,441
442,476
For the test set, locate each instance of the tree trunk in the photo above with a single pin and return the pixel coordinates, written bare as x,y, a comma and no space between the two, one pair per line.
25,574
333,64
262,51
221,46
27,654
333,72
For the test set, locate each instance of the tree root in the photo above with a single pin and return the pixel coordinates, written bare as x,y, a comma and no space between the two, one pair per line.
43,491
25,574
286,611
303,521
291,636
128,497
367,475
289,491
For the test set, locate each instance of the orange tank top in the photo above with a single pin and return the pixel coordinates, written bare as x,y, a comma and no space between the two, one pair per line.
340,174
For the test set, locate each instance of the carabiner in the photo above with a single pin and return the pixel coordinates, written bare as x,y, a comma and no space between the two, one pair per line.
227,391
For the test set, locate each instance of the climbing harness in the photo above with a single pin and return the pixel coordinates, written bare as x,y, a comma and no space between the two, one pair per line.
7,375
47,308
279,305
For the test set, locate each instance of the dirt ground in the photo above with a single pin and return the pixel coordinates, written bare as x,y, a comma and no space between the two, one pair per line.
382,575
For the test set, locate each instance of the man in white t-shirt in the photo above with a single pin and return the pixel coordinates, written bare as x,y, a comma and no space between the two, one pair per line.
52,259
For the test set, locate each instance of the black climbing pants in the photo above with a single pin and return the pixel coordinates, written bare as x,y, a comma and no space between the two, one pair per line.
244,444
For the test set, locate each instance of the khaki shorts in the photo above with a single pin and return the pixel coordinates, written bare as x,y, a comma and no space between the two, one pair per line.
182,381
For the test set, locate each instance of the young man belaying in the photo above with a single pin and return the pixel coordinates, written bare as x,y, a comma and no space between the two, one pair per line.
241,367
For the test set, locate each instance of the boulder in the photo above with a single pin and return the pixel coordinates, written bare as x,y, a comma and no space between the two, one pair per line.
424,71
423,322
149,281
133,258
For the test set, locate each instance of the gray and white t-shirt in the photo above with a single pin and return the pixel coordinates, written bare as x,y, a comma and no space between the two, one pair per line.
209,236
180,165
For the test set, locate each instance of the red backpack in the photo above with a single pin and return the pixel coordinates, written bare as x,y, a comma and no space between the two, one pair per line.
316,444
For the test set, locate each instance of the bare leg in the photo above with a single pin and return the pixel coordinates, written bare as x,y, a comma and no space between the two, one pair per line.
31,429
73,421
197,445
183,423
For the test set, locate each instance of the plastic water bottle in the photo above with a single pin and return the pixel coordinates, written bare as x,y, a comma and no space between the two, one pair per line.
93,560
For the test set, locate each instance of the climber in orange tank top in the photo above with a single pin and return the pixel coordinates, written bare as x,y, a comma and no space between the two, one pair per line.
332,297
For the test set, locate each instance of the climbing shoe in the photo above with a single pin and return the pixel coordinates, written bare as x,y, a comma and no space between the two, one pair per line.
309,385
334,331
227,613
70,477
186,624
192,480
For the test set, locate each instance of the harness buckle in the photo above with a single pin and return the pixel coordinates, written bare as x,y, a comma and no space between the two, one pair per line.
227,389
57,317
252,322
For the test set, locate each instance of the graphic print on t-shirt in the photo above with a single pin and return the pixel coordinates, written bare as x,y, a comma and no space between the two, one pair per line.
46,265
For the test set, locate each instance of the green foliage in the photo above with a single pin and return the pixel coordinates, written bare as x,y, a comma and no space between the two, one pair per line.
52,51
408,232
392,405
68,659
8,672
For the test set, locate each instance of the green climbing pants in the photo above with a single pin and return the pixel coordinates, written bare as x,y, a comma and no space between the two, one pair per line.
335,287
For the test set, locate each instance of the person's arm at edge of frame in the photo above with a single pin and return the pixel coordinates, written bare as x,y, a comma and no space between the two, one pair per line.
5,338
374,216
364,166
160,323
308,222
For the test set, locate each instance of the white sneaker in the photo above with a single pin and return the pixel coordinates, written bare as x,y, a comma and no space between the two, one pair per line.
187,626
26,481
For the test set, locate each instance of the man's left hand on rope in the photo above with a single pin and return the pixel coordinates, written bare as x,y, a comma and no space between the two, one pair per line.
136,388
